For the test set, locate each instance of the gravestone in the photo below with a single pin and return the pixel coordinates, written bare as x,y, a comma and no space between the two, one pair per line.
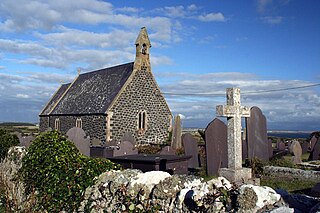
125,148
305,147
313,142
26,141
128,137
167,150
257,138
78,137
315,152
96,142
176,134
216,146
191,148
281,145
234,111
296,150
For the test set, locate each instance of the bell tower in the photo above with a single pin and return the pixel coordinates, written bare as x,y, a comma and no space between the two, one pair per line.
143,45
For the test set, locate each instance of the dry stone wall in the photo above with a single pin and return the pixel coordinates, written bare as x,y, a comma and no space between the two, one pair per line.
142,94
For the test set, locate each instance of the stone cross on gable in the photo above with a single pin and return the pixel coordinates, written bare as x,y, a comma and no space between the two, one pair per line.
234,111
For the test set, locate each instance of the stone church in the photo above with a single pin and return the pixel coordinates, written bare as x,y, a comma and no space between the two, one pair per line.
112,102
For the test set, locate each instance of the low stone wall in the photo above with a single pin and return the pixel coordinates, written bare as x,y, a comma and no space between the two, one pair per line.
156,191
292,173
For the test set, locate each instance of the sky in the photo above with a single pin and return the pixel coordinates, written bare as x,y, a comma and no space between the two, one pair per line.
270,49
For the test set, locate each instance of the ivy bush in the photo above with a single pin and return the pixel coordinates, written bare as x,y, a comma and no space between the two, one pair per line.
59,173
6,141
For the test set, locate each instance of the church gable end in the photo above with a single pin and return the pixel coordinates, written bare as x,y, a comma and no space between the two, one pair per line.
140,108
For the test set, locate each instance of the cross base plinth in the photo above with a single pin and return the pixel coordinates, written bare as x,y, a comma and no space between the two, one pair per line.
238,175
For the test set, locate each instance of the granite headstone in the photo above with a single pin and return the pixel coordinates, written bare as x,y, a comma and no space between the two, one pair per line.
167,150
176,134
258,144
128,137
191,148
78,137
296,150
281,145
125,148
315,152
305,147
216,146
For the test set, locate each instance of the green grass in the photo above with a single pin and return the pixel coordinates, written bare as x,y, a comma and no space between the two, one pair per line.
291,185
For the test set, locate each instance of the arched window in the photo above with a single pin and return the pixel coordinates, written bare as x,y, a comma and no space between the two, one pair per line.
142,121
79,123
57,124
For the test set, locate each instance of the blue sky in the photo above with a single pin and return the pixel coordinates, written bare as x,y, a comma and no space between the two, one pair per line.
198,48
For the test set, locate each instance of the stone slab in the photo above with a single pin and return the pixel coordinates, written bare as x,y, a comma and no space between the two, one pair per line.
125,148
167,150
315,152
258,143
216,146
78,137
238,175
191,148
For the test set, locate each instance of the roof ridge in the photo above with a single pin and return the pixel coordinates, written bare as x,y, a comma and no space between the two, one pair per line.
105,69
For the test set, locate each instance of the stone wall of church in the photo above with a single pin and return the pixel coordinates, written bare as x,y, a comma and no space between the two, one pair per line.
141,94
44,124
93,125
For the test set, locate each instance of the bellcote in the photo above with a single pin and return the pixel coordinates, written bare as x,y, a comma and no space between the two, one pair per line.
143,45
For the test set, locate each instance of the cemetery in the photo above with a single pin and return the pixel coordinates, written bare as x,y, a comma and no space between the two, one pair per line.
188,174
123,154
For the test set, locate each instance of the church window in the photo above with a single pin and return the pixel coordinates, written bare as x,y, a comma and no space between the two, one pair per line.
142,121
144,49
79,123
57,124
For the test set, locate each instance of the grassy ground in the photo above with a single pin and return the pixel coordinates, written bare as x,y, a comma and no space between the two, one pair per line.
289,184
25,129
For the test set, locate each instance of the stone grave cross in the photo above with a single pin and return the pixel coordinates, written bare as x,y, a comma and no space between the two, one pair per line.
234,111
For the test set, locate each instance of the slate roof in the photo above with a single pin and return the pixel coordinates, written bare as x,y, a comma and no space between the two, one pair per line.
93,92
55,98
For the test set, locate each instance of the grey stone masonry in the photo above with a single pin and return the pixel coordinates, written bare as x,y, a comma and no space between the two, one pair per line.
234,111
141,94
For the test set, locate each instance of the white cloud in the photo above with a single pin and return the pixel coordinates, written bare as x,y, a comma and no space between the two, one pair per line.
193,7
2,67
263,4
283,109
212,17
273,20
22,96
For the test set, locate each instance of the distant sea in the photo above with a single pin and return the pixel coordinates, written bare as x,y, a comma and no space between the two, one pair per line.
289,134
275,133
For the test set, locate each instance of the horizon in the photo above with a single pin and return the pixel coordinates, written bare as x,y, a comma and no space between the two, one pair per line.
270,49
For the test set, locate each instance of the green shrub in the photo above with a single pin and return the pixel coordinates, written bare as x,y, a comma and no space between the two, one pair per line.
6,141
60,174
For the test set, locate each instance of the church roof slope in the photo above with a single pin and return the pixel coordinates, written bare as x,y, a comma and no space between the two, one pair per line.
55,98
93,92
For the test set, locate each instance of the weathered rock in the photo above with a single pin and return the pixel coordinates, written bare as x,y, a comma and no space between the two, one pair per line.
14,191
132,190
252,198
